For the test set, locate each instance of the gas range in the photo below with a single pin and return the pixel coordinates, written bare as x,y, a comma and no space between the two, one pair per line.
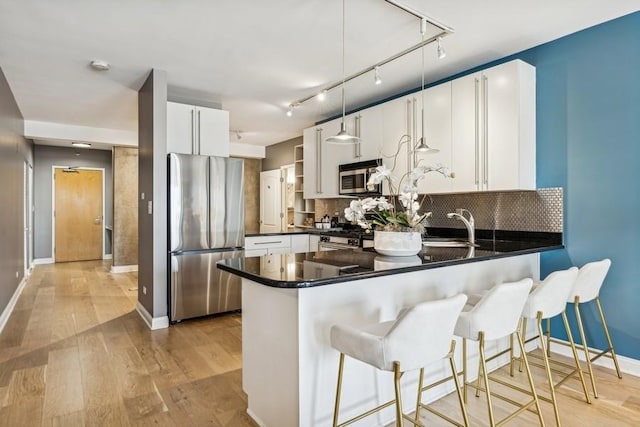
341,239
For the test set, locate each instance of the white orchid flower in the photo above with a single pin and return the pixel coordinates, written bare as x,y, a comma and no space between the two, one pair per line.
407,198
409,187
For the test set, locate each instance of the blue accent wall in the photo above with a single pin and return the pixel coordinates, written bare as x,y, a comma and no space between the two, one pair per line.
588,142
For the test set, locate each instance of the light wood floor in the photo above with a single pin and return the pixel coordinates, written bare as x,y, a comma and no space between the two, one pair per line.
75,353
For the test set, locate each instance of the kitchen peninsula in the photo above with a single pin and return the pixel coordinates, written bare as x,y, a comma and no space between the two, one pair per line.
290,302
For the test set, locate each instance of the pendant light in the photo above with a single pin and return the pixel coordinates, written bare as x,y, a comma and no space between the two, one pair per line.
343,136
422,142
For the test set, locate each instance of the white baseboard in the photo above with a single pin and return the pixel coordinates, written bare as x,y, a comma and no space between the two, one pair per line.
123,268
152,322
107,256
627,364
4,317
40,261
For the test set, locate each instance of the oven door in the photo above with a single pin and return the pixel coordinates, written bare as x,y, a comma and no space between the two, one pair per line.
330,246
353,181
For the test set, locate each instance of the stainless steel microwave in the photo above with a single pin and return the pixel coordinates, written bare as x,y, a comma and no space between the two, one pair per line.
353,178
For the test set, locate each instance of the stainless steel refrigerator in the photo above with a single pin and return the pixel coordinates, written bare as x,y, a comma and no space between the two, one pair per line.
206,224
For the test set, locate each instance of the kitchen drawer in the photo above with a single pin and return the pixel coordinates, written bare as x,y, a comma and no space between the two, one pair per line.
264,242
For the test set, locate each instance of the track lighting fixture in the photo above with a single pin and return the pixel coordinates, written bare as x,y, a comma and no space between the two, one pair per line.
290,111
322,95
376,77
441,52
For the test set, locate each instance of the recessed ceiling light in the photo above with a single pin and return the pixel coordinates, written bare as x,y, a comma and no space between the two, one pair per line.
100,65
81,144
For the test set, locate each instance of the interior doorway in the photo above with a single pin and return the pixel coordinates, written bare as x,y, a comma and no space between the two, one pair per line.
271,201
78,214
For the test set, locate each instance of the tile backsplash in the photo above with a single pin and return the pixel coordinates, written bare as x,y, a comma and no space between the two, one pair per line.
538,210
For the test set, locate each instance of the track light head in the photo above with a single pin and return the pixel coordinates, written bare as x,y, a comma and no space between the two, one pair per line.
322,95
441,52
377,80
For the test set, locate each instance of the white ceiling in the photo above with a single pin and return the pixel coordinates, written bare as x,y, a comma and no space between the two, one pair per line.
253,57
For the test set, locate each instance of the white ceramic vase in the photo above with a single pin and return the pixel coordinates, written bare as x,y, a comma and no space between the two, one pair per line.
397,243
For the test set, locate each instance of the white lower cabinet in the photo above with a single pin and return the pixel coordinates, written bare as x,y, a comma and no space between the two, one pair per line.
314,243
299,243
276,244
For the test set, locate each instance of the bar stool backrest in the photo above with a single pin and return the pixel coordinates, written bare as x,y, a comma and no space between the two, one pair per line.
590,279
422,334
498,312
550,296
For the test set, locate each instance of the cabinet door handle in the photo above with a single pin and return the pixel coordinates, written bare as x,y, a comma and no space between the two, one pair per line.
198,132
486,132
319,160
268,243
193,134
477,131
356,147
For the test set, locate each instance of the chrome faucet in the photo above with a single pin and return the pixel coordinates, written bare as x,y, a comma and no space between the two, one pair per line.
469,223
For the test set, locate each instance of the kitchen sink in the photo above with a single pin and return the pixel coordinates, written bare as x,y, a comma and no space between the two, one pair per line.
443,242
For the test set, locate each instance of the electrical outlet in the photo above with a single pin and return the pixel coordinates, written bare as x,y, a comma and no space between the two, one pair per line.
17,274
144,290
141,196
150,207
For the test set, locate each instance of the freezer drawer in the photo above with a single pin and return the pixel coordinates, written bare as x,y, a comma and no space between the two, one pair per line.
199,288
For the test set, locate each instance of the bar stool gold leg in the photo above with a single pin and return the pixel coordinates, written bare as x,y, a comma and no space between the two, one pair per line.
575,356
397,374
464,369
548,334
530,377
512,355
524,334
478,381
609,342
576,306
545,358
452,362
420,380
483,368
336,408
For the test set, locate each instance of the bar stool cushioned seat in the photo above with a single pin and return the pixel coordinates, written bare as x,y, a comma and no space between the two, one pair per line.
495,314
420,335
586,289
546,300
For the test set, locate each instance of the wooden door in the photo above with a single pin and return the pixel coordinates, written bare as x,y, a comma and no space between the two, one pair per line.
78,215
270,201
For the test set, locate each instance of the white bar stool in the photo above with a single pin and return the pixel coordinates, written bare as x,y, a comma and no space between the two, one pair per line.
546,300
419,336
586,289
496,315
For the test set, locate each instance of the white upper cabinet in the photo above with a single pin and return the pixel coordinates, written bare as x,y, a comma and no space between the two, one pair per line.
197,130
321,161
397,116
493,129
367,125
437,128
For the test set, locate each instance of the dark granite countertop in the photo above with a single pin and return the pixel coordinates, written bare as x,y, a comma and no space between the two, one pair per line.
324,268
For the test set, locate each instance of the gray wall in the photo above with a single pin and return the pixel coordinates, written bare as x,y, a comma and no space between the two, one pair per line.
280,154
45,157
152,182
14,151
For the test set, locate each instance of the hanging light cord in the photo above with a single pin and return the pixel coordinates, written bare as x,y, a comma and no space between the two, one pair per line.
423,29
344,110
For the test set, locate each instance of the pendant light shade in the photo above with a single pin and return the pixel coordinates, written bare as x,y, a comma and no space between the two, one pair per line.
422,147
343,137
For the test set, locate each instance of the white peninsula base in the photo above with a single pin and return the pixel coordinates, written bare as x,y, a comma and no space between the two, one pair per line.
290,369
